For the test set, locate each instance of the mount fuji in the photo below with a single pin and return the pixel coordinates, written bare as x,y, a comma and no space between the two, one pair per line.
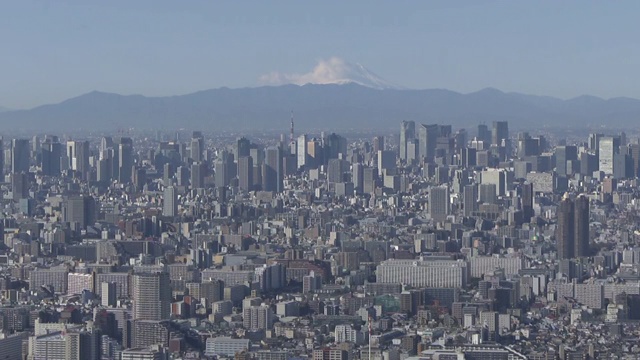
332,71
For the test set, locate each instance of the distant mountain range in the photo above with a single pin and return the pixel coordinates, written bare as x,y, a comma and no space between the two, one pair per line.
329,106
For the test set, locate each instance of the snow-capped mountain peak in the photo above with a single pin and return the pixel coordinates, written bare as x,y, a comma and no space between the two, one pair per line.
332,71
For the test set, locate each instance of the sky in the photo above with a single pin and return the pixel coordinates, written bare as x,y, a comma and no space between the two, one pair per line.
55,50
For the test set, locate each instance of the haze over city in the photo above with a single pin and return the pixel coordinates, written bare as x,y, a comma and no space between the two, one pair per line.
283,180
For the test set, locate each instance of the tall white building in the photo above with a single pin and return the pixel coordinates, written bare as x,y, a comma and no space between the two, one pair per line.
302,150
606,149
420,273
170,203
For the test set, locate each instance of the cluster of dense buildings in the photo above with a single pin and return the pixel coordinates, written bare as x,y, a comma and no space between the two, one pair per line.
428,245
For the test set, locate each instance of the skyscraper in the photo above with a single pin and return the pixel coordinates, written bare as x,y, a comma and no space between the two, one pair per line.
197,175
357,177
527,201
386,162
581,217
336,170
243,147
20,155
484,134
499,132
302,151
125,160
80,210
51,155
78,156
197,146
470,199
170,203
335,145
564,154
427,140
19,186
407,133
151,296
272,174
439,202
565,228
378,143
607,148
245,173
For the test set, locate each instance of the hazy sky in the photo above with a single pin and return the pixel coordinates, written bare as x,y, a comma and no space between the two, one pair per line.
54,50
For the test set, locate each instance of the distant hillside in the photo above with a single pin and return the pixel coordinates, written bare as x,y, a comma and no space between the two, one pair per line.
319,107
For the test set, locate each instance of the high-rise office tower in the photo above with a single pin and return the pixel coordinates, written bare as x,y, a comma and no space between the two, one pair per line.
182,176
386,162
139,177
369,178
170,202
468,158
106,143
581,232
378,143
151,296
51,155
302,151
413,148
563,155
198,171
272,174
242,148
334,146
197,146
623,164
427,140
78,156
125,160
20,155
439,207
634,151
484,134
245,173
315,154
470,198
527,201
336,170
357,177
499,132
594,142
19,186
565,231
407,133
607,148
81,210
